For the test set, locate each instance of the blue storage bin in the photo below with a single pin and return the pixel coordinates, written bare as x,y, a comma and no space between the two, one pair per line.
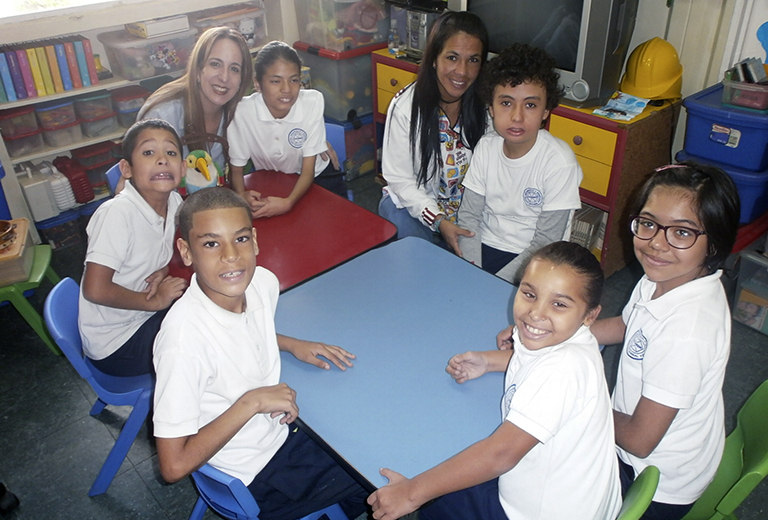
62,230
727,135
5,213
752,186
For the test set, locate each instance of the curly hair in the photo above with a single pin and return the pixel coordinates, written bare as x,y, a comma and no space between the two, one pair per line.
517,64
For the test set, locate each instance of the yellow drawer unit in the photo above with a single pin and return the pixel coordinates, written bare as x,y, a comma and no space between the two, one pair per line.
594,148
389,81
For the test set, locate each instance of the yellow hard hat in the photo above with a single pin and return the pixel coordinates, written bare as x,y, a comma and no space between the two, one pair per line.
653,71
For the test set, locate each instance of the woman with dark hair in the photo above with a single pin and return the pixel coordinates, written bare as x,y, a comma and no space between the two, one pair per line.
432,126
201,103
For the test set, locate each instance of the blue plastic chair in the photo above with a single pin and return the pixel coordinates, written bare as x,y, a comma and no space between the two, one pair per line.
60,313
230,498
113,177
334,134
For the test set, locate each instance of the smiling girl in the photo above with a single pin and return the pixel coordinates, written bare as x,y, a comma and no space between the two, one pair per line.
281,128
553,454
676,330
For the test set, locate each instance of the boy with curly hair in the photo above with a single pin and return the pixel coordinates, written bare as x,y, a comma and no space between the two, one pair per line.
523,183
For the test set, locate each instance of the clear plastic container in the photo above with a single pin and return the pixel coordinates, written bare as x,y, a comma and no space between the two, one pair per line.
745,95
24,144
135,58
94,154
101,126
18,122
129,98
56,115
94,106
63,135
342,25
127,117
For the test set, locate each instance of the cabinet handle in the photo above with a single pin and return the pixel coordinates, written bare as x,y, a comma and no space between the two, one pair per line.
577,140
393,82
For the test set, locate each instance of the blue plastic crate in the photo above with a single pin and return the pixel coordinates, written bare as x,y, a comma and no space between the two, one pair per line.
727,135
752,186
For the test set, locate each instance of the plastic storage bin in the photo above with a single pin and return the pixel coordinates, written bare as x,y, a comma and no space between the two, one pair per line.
751,305
94,105
62,231
24,144
97,174
17,122
752,187
95,154
360,146
344,78
127,117
129,98
342,25
63,135
38,192
101,126
727,135
137,58
745,95
56,115
248,18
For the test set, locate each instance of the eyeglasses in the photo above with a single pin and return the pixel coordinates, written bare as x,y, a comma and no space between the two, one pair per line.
679,237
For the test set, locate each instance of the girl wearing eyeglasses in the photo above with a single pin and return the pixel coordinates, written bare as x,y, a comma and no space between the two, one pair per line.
676,331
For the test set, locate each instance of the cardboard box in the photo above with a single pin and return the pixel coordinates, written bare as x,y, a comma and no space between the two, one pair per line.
16,260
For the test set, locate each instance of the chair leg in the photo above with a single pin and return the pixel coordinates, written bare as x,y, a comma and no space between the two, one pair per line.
51,275
32,317
199,510
97,407
122,445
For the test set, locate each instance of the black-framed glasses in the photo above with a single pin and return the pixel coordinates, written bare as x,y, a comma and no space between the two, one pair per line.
679,237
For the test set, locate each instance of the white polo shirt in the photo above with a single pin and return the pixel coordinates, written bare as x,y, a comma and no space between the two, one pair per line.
675,352
124,234
206,358
278,144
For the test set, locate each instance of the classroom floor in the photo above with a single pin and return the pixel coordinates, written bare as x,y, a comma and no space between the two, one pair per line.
51,449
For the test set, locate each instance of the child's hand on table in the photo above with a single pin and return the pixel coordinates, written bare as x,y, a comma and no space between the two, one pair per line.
253,198
393,500
466,366
271,207
311,351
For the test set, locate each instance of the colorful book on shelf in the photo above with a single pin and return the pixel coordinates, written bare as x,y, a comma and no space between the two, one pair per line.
45,69
61,59
37,74
3,95
13,65
53,65
74,70
5,77
90,61
81,63
26,72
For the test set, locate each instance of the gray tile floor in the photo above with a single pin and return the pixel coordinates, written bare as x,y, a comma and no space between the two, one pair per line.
51,449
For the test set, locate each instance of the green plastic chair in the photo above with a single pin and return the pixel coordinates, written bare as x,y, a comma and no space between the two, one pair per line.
640,494
14,293
744,463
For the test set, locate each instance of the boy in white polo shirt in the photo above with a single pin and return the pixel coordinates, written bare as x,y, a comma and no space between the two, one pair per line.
126,289
523,183
218,397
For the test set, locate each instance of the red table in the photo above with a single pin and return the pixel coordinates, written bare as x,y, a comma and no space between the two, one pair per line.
322,231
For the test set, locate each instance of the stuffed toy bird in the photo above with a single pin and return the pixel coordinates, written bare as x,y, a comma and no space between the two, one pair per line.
201,173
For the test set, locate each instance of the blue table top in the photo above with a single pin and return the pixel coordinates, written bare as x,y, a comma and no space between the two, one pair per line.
404,309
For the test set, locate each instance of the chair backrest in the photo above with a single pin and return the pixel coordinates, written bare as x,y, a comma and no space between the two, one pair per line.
640,494
225,494
60,313
113,176
744,463
334,134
